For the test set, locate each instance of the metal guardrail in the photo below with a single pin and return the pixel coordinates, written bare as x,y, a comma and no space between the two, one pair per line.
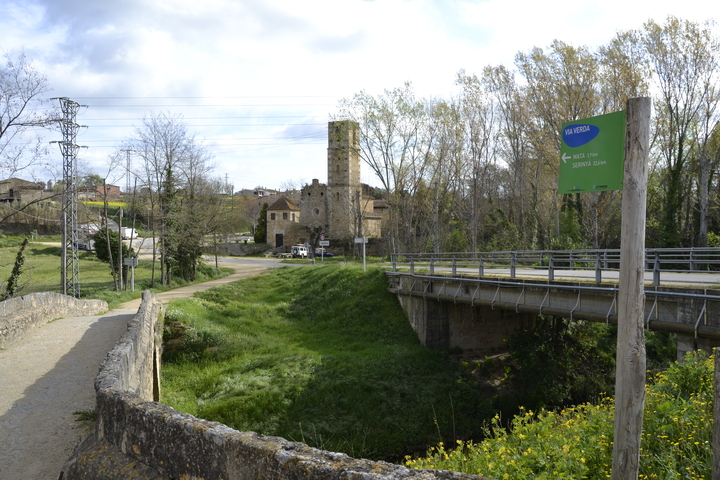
657,260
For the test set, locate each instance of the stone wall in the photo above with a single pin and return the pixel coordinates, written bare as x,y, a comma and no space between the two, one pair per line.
18,315
135,437
235,249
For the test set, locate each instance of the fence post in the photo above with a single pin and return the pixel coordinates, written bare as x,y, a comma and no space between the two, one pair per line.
551,268
432,265
454,265
692,260
412,265
598,268
656,270
513,259
481,267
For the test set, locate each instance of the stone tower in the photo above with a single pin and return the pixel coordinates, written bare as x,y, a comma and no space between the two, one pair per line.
343,189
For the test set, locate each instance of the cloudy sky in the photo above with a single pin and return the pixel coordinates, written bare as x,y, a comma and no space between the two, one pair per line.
257,80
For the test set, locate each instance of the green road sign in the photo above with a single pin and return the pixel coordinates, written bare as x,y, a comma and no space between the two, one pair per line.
592,154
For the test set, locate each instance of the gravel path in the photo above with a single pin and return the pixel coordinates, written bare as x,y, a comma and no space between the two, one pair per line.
48,375
45,377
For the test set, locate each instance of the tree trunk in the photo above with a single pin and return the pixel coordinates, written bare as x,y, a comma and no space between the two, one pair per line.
630,374
107,237
703,187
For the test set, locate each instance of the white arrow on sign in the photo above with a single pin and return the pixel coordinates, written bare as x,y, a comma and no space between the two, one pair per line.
565,158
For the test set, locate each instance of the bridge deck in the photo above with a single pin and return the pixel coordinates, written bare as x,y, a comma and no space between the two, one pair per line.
685,303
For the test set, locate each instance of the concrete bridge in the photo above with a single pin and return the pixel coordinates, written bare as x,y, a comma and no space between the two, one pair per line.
475,301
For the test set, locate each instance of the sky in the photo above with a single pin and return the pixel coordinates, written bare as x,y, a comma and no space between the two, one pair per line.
256,81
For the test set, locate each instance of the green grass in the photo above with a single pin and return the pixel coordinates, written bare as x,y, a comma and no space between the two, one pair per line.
41,272
323,355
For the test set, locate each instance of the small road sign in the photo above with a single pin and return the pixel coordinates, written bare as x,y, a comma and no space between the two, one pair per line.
592,154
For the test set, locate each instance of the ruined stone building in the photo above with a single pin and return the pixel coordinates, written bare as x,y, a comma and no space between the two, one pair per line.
21,192
339,210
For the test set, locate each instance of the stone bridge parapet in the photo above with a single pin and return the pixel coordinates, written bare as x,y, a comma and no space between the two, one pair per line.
137,437
20,314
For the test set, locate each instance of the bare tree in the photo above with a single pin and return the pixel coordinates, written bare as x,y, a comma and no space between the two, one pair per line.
173,164
393,144
21,115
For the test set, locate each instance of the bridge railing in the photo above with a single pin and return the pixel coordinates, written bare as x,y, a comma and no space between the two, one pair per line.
657,260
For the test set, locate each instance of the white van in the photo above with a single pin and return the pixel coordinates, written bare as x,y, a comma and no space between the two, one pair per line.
299,251
128,233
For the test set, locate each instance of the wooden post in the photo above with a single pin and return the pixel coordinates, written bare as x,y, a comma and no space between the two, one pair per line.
630,373
120,252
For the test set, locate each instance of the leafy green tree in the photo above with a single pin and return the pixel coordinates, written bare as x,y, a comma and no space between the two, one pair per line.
110,255
261,231
685,58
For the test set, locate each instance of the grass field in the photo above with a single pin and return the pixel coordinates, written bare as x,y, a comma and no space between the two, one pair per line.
41,271
321,354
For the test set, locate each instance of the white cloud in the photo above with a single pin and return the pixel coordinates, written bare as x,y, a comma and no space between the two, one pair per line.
254,62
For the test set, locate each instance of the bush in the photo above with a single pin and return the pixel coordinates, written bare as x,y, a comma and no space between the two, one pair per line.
577,442
101,248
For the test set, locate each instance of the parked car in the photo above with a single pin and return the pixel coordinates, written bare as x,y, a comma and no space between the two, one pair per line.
299,251
321,252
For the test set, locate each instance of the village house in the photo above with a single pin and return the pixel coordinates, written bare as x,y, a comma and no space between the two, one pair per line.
15,191
283,217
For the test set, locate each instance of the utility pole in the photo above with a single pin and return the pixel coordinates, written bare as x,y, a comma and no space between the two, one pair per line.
70,265
127,173
120,250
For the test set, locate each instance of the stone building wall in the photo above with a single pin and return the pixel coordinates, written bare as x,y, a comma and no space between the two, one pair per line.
283,218
344,188
314,204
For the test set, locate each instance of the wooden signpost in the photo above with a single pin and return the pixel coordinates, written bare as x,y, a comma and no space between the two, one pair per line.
592,149
630,370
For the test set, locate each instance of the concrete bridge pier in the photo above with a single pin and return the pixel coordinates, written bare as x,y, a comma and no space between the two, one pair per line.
694,316
688,343
481,329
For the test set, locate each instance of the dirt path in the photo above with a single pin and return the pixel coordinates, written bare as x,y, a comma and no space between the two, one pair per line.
48,375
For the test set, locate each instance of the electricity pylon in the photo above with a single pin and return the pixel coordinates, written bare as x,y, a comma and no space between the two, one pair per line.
70,266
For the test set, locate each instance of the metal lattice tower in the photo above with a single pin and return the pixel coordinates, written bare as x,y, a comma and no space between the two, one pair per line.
70,268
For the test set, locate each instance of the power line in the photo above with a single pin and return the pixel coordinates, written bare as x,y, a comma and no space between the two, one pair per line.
226,125
211,106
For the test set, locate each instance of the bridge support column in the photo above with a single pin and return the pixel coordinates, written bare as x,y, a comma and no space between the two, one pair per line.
481,329
688,343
